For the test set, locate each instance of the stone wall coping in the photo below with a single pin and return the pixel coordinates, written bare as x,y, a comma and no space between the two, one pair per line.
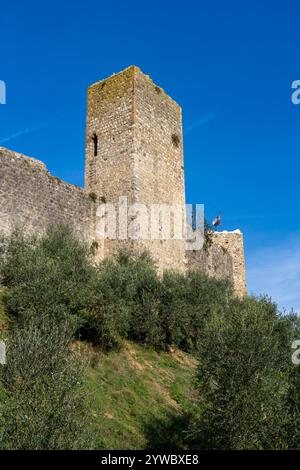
38,164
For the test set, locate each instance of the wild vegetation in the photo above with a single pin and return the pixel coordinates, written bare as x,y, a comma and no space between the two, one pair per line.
112,355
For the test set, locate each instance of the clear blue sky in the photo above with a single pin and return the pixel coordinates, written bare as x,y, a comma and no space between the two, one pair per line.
229,64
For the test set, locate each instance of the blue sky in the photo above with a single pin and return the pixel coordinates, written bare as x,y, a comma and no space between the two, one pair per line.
229,64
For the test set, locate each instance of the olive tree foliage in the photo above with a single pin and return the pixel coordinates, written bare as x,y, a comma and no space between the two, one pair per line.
243,378
125,301
50,273
43,405
246,388
121,297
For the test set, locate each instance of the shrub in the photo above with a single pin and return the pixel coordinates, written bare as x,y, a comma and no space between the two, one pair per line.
174,311
141,293
121,297
208,235
291,328
293,407
126,301
42,405
186,302
247,388
106,313
93,196
241,378
52,273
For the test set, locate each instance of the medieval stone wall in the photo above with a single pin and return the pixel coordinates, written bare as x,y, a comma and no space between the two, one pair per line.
30,197
139,155
109,117
109,174
223,259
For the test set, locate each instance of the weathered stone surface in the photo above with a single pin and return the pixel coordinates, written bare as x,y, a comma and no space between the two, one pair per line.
134,148
233,243
30,197
135,123
223,259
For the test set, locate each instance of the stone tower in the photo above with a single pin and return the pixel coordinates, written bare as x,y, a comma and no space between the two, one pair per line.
134,148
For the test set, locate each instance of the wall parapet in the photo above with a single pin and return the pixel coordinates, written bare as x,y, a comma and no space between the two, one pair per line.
223,259
32,198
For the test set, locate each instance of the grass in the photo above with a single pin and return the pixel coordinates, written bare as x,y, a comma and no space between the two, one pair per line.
140,398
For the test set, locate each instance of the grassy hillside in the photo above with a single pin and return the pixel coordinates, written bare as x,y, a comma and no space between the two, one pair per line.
140,398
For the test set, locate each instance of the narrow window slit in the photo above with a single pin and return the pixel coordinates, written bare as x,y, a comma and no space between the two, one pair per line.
95,142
